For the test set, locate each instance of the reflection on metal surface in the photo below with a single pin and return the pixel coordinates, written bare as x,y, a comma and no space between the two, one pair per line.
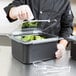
51,68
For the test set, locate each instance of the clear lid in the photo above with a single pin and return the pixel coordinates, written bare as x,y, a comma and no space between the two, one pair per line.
35,32
30,26
26,31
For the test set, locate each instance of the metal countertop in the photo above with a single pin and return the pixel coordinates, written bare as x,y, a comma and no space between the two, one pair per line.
12,67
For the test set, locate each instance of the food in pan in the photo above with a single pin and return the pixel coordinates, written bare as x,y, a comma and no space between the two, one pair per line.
29,24
31,37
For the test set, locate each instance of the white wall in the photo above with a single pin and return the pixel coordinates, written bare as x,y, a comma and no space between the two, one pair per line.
73,6
5,26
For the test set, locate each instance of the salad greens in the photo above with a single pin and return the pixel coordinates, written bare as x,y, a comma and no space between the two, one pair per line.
31,37
29,24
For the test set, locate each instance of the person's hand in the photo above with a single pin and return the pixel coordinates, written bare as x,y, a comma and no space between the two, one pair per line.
22,12
61,46
60,51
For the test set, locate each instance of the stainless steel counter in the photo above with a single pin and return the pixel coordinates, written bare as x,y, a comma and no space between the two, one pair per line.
11,67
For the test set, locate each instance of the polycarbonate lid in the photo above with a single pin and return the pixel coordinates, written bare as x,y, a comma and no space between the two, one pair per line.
26,31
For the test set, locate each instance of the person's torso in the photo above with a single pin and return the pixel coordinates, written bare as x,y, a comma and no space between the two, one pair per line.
48,9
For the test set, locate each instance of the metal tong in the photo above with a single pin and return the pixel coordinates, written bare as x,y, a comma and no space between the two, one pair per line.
41,20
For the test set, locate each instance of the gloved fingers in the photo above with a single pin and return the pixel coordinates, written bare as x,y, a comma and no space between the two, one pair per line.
58,54
24,13
60,47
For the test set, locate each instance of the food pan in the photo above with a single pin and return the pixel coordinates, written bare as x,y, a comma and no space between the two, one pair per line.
36,50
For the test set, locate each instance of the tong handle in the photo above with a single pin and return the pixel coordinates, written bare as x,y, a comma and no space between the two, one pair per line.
42,20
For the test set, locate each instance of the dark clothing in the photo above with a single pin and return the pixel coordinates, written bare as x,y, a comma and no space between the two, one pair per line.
49,9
